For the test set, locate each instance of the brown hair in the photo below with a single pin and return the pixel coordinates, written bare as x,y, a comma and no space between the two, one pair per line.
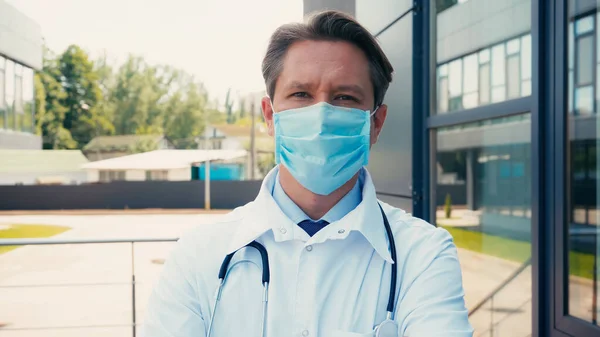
328,26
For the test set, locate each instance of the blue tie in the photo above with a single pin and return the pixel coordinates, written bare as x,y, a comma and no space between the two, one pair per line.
311,227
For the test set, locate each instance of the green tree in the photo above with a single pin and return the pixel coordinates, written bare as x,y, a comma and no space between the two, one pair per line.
229,108
185,116
82,93
40,103
51,114
139,96
448,206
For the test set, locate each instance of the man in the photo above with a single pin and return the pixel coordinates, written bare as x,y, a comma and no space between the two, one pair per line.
316,215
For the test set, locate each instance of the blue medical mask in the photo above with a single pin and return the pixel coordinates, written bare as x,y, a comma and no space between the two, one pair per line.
322,145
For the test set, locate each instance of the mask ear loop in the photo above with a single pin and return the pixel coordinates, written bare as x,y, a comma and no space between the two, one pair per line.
374,111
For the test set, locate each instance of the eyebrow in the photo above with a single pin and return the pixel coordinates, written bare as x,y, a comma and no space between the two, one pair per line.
297,85
357,89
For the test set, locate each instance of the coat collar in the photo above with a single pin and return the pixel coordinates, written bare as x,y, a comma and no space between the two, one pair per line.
264,215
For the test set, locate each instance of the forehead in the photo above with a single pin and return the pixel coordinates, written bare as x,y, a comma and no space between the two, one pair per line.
325,63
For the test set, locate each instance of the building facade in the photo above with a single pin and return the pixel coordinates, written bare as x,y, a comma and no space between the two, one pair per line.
492,133
20,56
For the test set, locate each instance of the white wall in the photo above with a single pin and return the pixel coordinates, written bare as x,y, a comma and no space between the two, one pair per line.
30,178
20,37
135,175
93,176
183,174
231,144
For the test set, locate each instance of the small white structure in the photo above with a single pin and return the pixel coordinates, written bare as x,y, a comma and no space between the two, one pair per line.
172,165
32,167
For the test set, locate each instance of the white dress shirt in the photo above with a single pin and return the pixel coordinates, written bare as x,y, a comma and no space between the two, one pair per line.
335,283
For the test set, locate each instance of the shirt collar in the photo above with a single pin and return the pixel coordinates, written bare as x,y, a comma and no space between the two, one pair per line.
292,211
264,214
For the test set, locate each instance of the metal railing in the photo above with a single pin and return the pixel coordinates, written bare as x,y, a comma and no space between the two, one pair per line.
490,297
132,241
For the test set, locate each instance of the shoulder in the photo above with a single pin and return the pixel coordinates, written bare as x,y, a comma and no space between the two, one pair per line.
418,243
204,244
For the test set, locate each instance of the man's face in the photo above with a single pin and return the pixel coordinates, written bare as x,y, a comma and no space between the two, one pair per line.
324,71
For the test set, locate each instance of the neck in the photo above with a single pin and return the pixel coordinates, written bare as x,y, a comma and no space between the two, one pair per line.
313,205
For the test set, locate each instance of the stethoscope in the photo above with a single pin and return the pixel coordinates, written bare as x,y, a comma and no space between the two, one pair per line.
387,328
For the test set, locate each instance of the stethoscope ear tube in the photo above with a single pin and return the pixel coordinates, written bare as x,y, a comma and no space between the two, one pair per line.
390,235
266,271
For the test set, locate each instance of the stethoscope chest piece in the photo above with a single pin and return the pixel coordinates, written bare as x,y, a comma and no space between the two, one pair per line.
387,328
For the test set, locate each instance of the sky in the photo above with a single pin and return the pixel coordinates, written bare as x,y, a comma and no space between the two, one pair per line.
220,42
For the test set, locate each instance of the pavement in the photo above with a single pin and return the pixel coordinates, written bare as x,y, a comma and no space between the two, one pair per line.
68,286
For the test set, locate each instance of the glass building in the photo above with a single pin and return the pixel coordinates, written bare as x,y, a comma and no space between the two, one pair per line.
20,56
492,133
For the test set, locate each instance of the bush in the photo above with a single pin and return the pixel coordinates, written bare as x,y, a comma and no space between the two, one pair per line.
448,206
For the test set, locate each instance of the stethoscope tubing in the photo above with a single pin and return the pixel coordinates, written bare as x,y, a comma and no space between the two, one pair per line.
266,276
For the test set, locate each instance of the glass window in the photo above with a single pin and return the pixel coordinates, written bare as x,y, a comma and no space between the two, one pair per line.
18,94
583,194
584,25
455,78
484,56
443,95
584,100
498,65
9,74
514,76
483,198
484,84
28,100
585,62
598,86
471,67
526,65
2,97
513,46
443,70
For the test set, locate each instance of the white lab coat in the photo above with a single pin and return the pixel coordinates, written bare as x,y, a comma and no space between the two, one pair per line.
335,283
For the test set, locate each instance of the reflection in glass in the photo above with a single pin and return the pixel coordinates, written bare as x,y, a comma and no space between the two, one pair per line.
584,25
526,65
9,74
498,58
2,98
514,77
471,82
513,46
28,101
584,100
504,73
455,76
443,95
585,63
484,84
483,199
583,183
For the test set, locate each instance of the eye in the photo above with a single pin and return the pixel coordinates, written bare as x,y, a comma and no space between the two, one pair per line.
300,94
346,98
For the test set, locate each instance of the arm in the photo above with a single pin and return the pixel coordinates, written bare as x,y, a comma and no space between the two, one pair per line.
173,308
433,304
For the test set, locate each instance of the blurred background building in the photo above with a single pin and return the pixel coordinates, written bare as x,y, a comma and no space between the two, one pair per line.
20,55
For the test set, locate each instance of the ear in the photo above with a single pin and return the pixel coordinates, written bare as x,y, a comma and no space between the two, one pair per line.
267,110
377,122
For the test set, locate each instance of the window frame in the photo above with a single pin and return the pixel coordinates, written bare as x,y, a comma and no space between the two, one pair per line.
546,151
562,323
